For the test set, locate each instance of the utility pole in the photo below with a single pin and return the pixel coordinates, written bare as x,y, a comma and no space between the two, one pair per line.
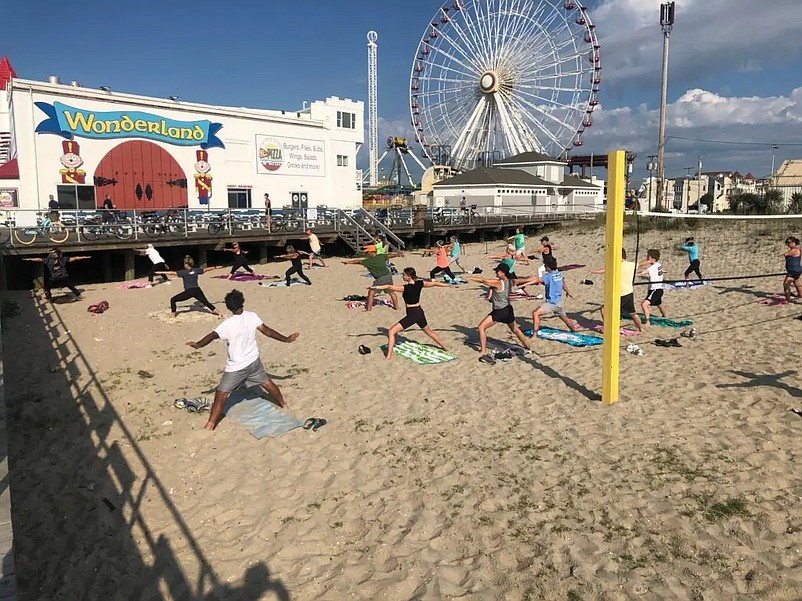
651,167
688,183
699,186
774,148
666,24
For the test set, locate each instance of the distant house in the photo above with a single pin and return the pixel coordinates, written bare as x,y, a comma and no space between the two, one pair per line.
529,182
788,178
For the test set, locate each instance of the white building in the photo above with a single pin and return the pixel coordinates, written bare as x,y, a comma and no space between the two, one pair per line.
525,183
80,144
788,179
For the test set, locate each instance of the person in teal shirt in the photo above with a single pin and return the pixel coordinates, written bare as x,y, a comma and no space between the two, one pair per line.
692,249
454,253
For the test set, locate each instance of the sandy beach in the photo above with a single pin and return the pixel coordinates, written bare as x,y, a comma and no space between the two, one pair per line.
453,481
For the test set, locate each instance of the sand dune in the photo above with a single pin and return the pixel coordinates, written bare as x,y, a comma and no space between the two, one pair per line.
460,480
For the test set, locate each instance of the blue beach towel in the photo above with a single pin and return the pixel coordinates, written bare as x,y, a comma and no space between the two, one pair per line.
259,416
293,282
571,338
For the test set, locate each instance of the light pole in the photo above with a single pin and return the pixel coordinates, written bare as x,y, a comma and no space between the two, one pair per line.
774,148
699,190
651,166
667,24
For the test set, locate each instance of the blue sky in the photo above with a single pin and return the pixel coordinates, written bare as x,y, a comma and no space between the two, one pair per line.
733,72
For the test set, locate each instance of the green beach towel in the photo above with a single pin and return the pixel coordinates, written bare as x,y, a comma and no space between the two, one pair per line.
664,322
421,354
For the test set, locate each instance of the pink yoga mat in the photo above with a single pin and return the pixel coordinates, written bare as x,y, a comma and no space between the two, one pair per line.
133,285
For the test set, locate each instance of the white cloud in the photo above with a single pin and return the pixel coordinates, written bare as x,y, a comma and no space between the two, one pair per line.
710,37
708,116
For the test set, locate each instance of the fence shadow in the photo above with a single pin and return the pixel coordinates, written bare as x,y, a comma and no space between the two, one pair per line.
81,531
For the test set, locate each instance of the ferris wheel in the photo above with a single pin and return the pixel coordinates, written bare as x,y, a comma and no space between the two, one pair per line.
494,78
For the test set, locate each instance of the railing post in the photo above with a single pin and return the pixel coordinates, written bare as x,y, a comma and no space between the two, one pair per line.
135,223
77,228
186,222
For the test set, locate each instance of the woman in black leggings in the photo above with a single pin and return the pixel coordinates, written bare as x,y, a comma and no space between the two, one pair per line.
240,261
189,275
297,264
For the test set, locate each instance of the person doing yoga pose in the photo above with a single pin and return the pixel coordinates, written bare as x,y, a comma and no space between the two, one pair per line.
189,275
376,264
555,288
157,264
793,268
410,292
692,249
653,271
502,308
297,264
240,260
441,256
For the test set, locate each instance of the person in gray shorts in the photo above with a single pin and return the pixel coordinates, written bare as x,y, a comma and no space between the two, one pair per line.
555,289
243,365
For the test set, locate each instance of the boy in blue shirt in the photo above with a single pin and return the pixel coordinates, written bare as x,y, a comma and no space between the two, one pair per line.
555,287
692,249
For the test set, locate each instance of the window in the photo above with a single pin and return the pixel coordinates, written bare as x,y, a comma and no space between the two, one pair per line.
76,197
239,198
346,120
342,160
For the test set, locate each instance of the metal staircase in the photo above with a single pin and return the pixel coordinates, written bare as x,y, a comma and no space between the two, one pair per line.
356,236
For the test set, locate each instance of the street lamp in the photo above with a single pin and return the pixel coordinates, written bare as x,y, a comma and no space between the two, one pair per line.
667,11
774,148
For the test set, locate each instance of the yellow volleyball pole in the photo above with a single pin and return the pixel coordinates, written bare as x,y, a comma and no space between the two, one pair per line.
614,243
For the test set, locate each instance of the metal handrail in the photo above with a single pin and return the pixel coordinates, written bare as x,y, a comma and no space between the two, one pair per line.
343,216
388,232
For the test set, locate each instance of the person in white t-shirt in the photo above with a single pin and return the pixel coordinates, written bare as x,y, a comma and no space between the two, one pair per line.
243,365
653,271
158,264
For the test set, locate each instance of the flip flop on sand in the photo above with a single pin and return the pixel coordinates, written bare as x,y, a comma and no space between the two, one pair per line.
194,405
797,410
314,423
487,359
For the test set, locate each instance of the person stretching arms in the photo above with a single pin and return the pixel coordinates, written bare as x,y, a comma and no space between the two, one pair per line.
410,292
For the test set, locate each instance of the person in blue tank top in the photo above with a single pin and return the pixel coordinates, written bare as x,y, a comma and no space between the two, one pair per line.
555,288
692,249
793,268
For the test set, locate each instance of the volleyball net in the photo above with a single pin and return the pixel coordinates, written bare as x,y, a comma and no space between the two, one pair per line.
729,247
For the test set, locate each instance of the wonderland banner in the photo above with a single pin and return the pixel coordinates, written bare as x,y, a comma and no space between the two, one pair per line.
68,122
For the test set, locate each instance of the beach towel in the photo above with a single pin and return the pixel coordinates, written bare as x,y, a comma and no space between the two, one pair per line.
132,285
281,284
514,296
570,266
570,338
259,416
664,322
377,302
421,354
246,277
622,331
773,301
682,286
455,281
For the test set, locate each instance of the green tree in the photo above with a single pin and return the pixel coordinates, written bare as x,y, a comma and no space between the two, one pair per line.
795,206
707,201
773,202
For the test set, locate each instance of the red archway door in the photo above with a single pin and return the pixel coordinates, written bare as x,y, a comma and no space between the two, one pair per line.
141,175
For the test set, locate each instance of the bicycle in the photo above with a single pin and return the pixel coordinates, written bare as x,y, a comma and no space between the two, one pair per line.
225,222
156,225
55,232
286,222
121,230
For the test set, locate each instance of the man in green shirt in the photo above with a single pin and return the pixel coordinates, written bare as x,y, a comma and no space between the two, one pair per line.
376,264
519,240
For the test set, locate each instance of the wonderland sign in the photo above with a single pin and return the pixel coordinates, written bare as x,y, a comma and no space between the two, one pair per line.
68,122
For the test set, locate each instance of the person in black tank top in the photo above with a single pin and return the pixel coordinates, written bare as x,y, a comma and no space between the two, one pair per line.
297,264
410,292
240,260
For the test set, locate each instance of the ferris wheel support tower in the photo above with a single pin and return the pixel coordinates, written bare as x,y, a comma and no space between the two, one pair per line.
373,109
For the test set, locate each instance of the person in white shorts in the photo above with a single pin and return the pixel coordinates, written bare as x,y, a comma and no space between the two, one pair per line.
519,242
243,365
316,247
653,271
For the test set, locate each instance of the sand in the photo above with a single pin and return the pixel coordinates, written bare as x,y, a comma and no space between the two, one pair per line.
454,481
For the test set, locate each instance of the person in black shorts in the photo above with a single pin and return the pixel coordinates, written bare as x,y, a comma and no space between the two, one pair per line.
189,275
502,308
297,264
240,260
410,292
